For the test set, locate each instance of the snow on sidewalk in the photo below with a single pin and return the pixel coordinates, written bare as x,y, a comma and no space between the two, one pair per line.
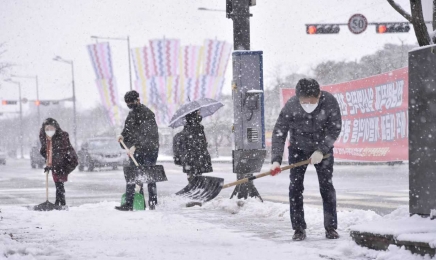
402,227
219,230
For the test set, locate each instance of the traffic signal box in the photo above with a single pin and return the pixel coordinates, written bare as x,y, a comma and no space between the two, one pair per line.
9,102
392,28
322,29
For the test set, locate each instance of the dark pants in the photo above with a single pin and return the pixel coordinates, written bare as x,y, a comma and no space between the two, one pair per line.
131,173
296,188
60,193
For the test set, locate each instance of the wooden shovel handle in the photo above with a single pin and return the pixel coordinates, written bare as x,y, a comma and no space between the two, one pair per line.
132,157
269,172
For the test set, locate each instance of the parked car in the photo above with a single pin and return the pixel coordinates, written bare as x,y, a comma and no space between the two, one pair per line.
2,156
100,152
36,158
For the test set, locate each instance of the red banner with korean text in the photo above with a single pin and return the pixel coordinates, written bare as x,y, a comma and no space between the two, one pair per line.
375,123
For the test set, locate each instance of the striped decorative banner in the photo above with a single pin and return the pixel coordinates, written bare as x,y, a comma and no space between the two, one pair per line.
169,75
100,55
109,98
165,54
143,61
217,54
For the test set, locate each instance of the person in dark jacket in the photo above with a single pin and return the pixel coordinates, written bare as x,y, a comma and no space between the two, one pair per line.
61,159
190,147
140,134
313,120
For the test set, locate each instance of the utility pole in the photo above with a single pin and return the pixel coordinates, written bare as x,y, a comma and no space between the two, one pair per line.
239,12
21,114
248,102
71,63
37,92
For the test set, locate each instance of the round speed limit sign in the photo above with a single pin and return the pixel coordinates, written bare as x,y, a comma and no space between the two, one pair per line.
357,23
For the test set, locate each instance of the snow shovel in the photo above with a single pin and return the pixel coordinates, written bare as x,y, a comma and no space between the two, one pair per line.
138,201
47,205
148,174
205,188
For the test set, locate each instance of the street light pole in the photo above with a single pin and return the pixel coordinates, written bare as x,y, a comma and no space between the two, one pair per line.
130,69
74,106
21,115
37,98
37,91
128,51
71,63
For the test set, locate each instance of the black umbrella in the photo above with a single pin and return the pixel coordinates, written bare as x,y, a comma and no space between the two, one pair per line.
207,107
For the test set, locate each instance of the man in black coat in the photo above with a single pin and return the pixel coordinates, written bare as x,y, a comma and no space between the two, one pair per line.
140,134
313,120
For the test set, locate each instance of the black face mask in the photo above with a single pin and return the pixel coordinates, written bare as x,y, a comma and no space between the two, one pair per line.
132,106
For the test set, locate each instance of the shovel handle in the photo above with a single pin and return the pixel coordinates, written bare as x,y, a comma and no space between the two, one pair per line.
131,157
269,172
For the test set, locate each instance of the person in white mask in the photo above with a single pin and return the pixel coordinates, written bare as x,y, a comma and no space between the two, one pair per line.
61,158
313,120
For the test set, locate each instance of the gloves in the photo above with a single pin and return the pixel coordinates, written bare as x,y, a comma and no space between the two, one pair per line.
275,169
316,157
132,150
47,169
120,138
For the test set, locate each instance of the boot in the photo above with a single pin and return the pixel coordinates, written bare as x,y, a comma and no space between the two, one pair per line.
299,235
330,233
152,204
124,207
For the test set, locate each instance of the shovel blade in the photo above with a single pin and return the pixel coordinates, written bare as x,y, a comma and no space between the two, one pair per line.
47,206
202,188
149,174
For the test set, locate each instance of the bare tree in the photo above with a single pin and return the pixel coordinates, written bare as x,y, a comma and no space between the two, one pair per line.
416,18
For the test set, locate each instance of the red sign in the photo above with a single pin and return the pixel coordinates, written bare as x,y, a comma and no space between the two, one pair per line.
375,123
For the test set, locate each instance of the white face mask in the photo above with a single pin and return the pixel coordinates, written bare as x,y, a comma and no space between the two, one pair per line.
50,133
309,108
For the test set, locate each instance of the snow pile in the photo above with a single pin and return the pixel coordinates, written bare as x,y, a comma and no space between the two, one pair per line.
403,227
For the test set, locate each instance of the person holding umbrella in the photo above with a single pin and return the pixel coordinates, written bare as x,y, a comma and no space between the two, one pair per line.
140,135
190,147
61,159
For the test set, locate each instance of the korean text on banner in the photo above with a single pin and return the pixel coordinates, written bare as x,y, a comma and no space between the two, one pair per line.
374,117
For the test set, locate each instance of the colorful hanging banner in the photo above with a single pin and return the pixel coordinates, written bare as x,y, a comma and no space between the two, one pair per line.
100,55
168,75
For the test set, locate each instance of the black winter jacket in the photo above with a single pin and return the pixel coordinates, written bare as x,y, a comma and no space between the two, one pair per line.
190,150
140,129
308,132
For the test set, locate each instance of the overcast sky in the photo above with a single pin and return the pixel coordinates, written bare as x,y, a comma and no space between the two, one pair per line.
35,31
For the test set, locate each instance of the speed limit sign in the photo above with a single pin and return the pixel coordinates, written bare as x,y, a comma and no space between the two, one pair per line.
357,23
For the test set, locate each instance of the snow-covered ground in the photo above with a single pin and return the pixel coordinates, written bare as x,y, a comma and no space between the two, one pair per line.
92,229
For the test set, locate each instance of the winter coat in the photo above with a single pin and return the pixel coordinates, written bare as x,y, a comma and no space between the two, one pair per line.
308,131
64,157
190,150
140,130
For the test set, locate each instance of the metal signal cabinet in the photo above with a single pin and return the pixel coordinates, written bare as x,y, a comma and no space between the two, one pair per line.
249,123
